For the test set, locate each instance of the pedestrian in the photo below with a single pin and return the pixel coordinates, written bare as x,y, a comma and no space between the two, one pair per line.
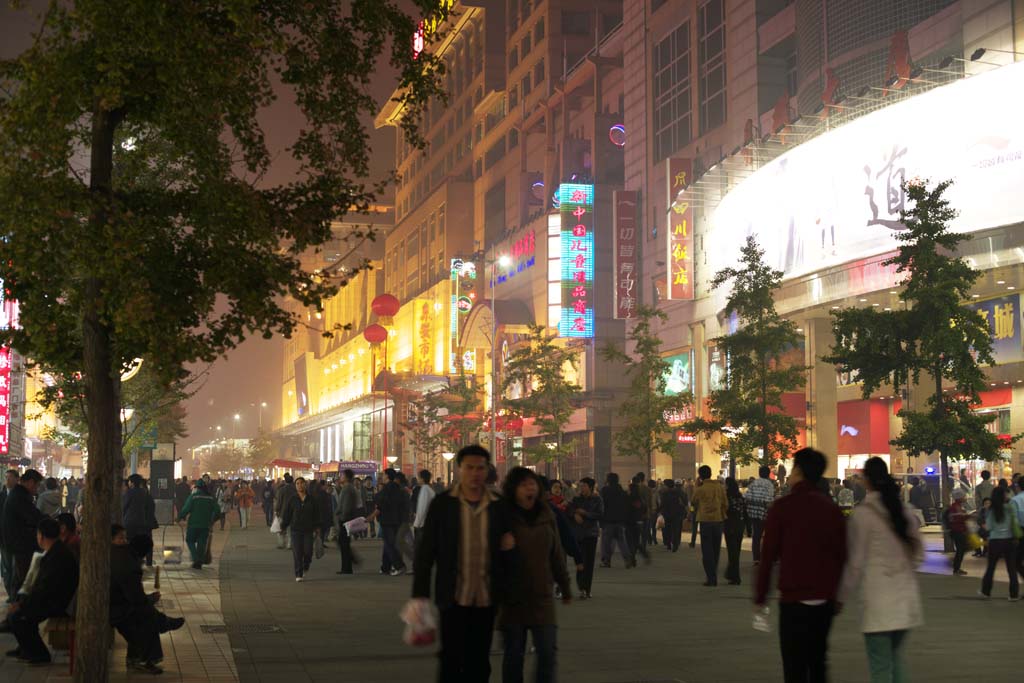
182,490
346,511
711,504
71,498
586,509
805,533
528,604
324,500
651,528
760,494
245,496
424,499
613,524
884,549
302,522
956,522
138,511
370,503
557,495
201,510
467,536
20,521
984,489
224,495
1017,505
267,500
1004,533
6,556
673,510
49,501
283,494
691,493
392,511
735,525
635,521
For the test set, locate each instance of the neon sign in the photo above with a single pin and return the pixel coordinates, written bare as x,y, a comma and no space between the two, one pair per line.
427,27
576,204
5,399
523,257
680,231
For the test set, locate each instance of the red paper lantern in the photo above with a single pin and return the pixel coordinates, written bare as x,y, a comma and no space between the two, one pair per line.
386,307
375,334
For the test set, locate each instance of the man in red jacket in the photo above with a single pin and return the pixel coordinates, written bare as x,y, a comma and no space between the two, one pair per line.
805,533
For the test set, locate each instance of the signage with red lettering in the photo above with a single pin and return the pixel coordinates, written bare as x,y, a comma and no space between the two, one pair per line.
5,400
625,254
680,231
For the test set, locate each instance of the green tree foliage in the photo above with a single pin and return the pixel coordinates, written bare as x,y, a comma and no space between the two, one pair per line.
540,366
136,213
446,420
934,335
261,451
646,431
748,411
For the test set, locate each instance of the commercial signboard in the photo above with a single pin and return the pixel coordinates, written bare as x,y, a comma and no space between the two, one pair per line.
626,234
677,377
837,197
576,206
680,230
1003,316
5,400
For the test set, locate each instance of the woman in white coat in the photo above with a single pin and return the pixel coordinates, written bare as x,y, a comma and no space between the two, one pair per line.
885,548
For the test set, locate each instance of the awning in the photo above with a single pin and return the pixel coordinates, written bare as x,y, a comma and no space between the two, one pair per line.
291,465
359,467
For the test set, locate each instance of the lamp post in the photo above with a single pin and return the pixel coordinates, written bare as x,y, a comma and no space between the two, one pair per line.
448,455
504,261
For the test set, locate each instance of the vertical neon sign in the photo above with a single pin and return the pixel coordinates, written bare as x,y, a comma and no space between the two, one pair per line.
576,205
5,399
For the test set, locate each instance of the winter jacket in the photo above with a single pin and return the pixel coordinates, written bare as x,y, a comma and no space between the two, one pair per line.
759,496
127,596
736,515
50,502
281,497
139,511
201,509
536,565
393,504
882,567
709,498
54,586
592,509
301,515
616,504
245,497
20,519
673,504
345,510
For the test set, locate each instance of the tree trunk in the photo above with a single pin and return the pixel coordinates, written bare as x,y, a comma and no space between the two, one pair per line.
945,493
103,401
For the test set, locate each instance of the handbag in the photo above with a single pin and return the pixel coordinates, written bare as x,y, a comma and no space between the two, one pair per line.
275,528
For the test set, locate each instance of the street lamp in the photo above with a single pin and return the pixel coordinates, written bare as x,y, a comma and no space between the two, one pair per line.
504,261
448,455
392,459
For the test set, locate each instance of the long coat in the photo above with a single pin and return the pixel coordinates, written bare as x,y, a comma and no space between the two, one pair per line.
881,565
537,564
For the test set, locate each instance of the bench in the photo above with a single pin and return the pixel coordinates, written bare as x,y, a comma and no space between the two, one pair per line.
60,634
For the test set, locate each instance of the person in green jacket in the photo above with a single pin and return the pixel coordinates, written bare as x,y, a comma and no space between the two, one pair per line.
201,509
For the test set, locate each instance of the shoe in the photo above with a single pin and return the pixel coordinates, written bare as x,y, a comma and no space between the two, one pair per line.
693,545
396,572
298,579
174,623
16,652
734,583
148,667
984,595
1016,599
583,595
757,562
196,565
42,661
342,572
959,572
708,584
606,565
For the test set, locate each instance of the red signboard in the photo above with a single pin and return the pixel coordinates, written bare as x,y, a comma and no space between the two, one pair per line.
625,254
5,400
680,231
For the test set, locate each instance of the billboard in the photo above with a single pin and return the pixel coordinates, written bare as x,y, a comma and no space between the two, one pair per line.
576,206
680,230
626,242
678,379
836,198
5,400
1003,316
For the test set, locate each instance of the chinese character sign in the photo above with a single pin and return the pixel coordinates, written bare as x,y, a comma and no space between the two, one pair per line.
1003,316
625,254
577,242
680,231
5,400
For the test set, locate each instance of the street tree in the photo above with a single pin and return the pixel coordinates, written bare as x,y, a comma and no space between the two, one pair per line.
260,452
646,428
748,410
545,372
445,420
137,210
933,343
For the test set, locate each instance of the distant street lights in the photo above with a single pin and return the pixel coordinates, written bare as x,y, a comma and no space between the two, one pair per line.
448,455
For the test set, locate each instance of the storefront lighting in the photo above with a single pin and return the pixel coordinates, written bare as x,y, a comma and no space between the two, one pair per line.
1000,282
504,260
975,296
863,301
835,308
352,356
362,352
887,308
447,455
1010,287
875,305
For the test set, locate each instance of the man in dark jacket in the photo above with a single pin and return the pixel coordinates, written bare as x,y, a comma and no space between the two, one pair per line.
392,512
673,507
301,520
20,522
587,509
182,490
284,493
131,611
6,557
55,584
346,512
805,533
613,526
139,512
467,537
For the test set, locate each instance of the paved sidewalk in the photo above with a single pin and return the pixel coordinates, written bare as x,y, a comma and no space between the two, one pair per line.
190,654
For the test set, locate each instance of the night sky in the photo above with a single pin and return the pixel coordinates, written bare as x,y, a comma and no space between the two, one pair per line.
250,373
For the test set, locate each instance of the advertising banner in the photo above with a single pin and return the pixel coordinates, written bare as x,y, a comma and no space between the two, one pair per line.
576,206
680,231
626,234
1004,319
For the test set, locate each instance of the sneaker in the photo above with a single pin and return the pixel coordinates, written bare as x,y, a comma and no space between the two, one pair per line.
984,595
174,623
298,579
1016,599
397,572
583,595
606,565
959,572
148,667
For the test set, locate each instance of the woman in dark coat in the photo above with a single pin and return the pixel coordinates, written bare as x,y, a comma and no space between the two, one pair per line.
538,563
735,525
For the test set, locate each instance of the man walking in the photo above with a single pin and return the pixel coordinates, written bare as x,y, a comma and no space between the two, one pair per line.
1017,507
20,520
283,494
805,533
673,510
613,525
712,506
347,511
201,509
139,511
465,535
983,490
6,556
760,495
650,504
587,509
392,511
182,491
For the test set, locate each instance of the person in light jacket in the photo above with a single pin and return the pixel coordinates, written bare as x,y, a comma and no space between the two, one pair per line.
885,547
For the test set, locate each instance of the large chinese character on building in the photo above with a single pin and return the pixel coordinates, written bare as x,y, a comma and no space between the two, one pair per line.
577,241
5,400
625,260
680,231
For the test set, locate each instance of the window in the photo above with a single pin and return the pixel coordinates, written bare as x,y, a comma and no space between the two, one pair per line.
513,58
673,106
513,138
525,86
655,4
495,153
526,45
513,96
576,23
513,15
791,79
538,31
711,64
538,73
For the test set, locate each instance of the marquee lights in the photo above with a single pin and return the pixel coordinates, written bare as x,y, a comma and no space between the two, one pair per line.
576,204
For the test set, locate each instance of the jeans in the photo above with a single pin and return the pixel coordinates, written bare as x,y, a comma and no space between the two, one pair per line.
196,540
1005,549
391,557
694,529
733,543
268,511
885,656
633,539
710,549
614,534
243,517
302,550
585,578
803,639
756,532
466,634
345,548
544,640
959,539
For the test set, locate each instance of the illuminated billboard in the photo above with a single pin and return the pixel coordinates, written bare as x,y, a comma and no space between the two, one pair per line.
576,206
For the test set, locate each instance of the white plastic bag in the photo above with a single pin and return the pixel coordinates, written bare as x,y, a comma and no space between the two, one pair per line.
355,526
420,618
275,528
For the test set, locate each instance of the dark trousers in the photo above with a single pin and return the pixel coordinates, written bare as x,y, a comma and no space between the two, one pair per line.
466,634
197,540
652,530
302,550
1001,549
672,533
345,547
25,628
391,556
141,631
633,538
585,578
7,571
694,525
22,561
710,549
268,511
614,534
1020,558
544,640
134,531
733,543
959,539
803,639
756,532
